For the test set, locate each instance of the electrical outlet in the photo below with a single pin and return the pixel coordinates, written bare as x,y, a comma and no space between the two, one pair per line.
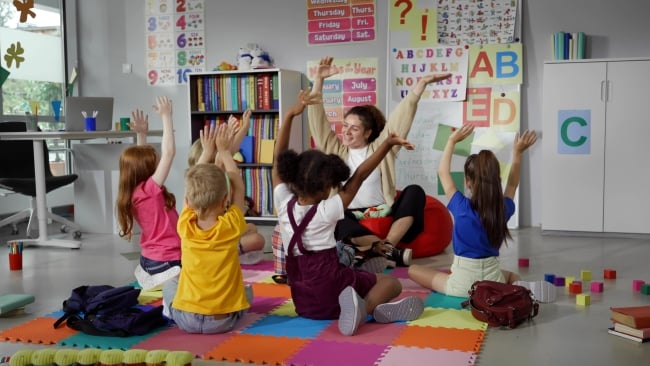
127,68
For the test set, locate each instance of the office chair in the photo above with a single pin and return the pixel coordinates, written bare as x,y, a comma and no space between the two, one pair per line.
17,175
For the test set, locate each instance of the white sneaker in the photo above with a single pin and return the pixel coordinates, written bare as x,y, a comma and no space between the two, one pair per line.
406,309
252,257
543,291
353,311
152,282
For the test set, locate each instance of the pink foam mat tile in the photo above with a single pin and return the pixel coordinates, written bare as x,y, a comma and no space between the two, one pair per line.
265,305
264,265
410,285
369,332
407,293
400,272
413,356
252,276
323,352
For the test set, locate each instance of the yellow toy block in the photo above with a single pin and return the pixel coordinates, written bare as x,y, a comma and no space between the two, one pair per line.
585,275
568,280
583,299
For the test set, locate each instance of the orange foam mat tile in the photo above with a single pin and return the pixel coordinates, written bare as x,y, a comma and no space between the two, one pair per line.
465,340
257,349
271,290
37,331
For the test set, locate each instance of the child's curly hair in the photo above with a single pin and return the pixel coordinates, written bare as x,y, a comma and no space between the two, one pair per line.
312,171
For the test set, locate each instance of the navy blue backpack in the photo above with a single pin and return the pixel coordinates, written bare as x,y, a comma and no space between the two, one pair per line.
105,310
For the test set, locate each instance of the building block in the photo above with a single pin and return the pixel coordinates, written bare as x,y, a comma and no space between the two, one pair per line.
524,262
559,281
636,285
568,280
610,274
645,289
583,299
596,286
585,275
575,287
549,277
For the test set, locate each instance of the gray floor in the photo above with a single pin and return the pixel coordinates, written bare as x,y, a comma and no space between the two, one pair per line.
562,334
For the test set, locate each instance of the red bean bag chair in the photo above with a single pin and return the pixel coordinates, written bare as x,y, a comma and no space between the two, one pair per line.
435,237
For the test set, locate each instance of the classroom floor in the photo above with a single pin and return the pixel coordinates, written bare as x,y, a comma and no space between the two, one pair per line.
562,334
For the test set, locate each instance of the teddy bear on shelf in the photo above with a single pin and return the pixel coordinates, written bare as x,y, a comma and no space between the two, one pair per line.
244,58
261,59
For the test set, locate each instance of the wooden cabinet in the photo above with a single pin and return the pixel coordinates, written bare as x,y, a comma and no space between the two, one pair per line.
214,96
596,127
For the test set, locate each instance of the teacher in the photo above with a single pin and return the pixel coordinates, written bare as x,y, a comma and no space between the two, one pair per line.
364,129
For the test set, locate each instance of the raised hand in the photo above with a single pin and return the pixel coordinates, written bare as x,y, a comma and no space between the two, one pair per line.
139,122
394,140
418,89
163,106
325,68
304,99
461,133
524,140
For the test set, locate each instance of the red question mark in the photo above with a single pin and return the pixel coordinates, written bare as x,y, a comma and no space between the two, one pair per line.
407,8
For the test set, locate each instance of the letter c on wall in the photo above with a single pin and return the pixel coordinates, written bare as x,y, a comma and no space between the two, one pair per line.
564,131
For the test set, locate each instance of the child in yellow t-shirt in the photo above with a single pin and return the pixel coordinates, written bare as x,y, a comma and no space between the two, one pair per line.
251,242
210,296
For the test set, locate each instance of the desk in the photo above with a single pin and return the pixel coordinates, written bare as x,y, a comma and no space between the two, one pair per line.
39,172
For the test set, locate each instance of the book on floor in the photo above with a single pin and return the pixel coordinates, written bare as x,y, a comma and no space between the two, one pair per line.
633,316
627,336
641,333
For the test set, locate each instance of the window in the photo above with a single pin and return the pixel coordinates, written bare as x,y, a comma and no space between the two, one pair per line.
32,51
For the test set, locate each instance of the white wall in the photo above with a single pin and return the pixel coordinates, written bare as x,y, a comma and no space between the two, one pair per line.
111,33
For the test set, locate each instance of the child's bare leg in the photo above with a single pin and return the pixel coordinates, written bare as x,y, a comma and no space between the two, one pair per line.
429,278
386,289
364,243
510,276
252,241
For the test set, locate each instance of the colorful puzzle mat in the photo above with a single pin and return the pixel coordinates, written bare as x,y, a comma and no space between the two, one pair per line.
273,334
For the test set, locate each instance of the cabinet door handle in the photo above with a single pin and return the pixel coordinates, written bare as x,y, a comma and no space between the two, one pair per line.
602,91
608,91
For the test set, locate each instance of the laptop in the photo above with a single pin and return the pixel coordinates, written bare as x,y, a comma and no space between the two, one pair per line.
74,119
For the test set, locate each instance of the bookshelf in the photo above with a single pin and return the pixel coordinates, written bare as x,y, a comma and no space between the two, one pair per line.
214,96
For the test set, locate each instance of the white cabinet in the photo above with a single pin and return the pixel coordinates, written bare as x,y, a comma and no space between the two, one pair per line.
596,127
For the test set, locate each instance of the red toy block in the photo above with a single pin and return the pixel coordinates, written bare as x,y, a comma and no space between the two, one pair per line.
636,285
610,274
575,287
524,262
596,286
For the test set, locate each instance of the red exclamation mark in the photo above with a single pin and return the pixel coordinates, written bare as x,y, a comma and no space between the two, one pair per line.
425,16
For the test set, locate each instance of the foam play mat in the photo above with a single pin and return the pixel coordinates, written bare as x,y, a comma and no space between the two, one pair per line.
273,334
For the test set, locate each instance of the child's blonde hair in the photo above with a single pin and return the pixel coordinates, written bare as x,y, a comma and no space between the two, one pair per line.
206,186
195,153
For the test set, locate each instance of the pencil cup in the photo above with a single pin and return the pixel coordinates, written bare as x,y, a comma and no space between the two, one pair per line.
124,124
15,261
91,123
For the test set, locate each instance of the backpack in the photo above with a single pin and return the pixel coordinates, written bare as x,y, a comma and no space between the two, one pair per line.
501,304
109,311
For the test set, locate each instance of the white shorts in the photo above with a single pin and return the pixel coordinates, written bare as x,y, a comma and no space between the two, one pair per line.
466,271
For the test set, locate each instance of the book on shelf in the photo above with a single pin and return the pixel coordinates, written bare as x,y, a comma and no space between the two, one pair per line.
266,151
627,336
633,316
636,332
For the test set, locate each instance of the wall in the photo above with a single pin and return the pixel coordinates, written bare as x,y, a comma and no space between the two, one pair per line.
110,35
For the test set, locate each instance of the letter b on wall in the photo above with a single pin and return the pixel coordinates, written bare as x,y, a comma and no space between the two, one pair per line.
574,131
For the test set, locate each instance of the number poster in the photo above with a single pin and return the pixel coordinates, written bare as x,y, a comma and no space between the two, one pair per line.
175,37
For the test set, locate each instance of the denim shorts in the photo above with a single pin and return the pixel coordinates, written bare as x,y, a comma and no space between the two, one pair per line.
199,323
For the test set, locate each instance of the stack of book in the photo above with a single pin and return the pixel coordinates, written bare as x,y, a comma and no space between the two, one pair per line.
632,322
568,46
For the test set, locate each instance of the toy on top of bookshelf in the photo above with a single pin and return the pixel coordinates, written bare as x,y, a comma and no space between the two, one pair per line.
633,316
